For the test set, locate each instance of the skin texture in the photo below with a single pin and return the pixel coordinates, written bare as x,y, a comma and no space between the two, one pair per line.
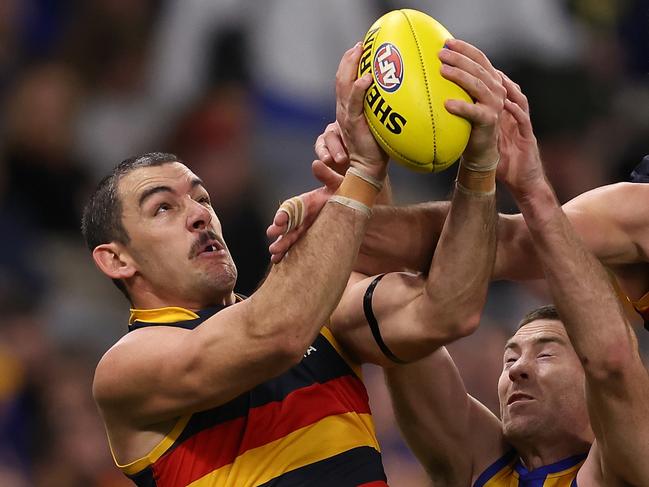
580,381
154,375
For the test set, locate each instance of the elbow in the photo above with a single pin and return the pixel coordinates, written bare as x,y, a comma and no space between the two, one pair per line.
446,324
612,364
462,326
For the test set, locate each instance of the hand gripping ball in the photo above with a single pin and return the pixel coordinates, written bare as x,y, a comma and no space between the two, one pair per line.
404,105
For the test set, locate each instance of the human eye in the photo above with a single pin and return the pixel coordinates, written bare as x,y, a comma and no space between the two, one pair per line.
162,208
204,200
509,360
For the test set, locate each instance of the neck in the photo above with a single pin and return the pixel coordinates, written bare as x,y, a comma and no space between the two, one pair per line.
535,453
149,300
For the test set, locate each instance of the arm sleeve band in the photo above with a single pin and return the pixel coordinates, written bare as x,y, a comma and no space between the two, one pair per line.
374,326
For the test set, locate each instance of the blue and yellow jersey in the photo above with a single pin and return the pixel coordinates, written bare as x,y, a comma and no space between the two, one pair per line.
309,426
508,471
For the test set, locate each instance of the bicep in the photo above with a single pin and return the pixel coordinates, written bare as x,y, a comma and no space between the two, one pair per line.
405,329
451,433
610,222
161,373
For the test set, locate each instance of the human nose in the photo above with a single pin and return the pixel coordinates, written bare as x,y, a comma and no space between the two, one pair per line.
520,369
198,216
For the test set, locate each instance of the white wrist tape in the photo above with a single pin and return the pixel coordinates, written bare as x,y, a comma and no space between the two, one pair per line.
367,178
356,205
472,166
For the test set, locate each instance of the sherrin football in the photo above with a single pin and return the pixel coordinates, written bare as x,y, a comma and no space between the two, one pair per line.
404,105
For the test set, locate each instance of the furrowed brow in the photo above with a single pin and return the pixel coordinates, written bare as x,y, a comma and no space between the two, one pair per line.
151,191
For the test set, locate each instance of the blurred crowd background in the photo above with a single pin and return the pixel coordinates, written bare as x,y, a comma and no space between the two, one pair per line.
240,89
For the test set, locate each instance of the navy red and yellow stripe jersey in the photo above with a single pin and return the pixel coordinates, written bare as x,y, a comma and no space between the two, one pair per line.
309,426
508,471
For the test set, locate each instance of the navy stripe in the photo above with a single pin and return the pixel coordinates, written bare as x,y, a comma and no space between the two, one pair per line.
320,366
348,469
144,478
574,482
542,472
494,468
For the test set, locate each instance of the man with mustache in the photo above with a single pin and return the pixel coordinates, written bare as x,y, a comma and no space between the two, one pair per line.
211,389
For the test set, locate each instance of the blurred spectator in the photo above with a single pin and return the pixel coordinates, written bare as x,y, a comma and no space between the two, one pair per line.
44,182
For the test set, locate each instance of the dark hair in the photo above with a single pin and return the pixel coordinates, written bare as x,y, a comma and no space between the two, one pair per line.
547,312
102,216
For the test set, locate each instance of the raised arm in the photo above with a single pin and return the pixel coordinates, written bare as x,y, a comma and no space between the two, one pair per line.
451,434
417,313
617,382
160,373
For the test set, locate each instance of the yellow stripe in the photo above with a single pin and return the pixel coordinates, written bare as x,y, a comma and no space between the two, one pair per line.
355,366
157,451
170,314
326,438
563,478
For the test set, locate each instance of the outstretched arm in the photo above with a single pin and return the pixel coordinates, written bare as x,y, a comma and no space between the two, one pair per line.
175,372
617,382
417,313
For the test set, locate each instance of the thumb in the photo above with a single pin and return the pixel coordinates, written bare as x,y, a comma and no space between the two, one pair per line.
327,176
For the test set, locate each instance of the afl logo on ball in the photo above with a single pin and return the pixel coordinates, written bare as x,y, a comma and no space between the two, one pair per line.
388,67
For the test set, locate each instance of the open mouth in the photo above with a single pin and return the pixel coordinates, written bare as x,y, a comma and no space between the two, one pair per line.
518,396
207,244
211,247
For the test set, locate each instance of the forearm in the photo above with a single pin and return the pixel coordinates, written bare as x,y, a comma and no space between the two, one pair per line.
458,277
401,238
580,286
516,258
308,282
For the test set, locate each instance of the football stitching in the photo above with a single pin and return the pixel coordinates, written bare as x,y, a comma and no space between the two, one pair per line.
423,69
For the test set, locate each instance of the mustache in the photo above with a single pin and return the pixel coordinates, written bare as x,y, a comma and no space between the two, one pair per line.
203,239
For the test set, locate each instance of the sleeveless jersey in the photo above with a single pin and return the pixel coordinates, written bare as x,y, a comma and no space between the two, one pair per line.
508,471
309,426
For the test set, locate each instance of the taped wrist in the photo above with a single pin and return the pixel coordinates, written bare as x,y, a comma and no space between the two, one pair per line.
358,191
477,180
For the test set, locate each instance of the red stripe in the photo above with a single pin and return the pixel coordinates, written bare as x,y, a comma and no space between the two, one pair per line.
377,483
220,445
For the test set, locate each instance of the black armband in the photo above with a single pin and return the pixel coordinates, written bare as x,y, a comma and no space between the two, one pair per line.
374,326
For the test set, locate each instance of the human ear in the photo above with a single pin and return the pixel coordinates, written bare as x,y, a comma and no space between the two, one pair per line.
113,261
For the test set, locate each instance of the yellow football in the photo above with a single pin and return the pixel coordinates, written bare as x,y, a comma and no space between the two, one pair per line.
404,106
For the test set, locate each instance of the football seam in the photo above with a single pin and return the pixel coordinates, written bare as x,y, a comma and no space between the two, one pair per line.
423,69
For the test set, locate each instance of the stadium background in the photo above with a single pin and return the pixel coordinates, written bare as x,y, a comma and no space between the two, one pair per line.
240,89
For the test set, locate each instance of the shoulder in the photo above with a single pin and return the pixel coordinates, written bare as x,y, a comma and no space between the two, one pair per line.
127,360
625,193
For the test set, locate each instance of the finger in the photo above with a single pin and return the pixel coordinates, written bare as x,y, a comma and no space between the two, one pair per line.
522,118
321,150
490,77
355,104
279,225
475,87
282,244
471,52
478,115
334,146
327,176
275,231
514,92
348,68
